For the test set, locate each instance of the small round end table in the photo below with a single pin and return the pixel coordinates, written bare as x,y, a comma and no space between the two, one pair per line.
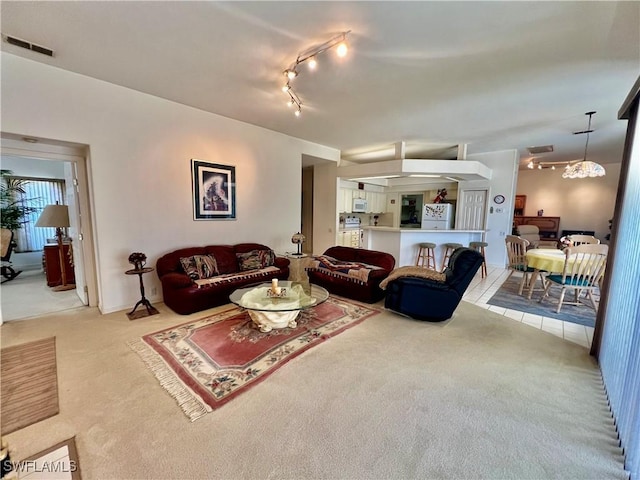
150,310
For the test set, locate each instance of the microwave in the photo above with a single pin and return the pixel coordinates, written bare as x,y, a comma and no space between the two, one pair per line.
359,205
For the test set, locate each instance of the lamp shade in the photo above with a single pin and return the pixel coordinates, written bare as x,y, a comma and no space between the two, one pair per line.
584,169
54,216
298,238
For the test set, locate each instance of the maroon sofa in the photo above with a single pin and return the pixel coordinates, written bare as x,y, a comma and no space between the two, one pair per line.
352,285
184,296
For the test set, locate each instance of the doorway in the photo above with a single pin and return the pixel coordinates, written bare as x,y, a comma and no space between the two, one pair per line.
29,295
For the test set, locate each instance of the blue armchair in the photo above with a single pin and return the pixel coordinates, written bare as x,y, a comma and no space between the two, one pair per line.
432,300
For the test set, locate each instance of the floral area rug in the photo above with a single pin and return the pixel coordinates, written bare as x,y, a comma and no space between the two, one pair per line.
205,363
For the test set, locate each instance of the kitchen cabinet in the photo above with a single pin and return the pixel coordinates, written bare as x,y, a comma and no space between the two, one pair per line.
380,203
376,201
349,238
519,204
359,194
345,200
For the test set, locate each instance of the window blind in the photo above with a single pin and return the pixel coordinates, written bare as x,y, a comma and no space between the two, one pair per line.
619,355
38,194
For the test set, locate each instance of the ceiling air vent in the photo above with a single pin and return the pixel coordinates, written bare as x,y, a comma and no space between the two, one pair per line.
540,149
29,46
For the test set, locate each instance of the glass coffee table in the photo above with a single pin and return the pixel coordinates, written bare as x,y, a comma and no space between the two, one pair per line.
269,312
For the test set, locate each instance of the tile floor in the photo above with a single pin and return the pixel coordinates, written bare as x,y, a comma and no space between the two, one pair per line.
482,289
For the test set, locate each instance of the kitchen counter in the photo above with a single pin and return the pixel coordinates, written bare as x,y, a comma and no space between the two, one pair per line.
402,243
414,230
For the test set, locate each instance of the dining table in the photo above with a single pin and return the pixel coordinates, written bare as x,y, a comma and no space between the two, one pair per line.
544,260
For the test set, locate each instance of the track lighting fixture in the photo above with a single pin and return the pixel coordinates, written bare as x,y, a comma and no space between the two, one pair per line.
573,169
310,57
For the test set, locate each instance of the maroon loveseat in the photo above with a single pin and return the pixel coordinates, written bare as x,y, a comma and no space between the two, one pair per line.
184,295
362,282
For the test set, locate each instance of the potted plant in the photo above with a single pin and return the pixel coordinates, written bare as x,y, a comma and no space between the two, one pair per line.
13,209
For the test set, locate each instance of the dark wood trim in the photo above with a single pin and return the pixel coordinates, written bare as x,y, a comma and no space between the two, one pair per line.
625,110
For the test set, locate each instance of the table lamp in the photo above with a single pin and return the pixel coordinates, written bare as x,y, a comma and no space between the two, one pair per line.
57,216
298,239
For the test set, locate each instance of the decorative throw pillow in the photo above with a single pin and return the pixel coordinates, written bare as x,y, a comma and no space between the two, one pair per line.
255,259
200,266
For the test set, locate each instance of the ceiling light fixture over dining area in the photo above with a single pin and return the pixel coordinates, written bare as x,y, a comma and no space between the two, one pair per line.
572,169
310,57
584,168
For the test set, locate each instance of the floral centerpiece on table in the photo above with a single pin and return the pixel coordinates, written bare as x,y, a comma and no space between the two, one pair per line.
566,242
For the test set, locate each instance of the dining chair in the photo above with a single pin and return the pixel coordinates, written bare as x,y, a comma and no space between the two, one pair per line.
582,239
583,268
516,253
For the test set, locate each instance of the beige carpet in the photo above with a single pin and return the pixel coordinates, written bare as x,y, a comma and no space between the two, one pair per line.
28,296
29,384
478,397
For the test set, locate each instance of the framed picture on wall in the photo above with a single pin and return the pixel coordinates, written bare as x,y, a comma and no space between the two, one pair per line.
214,191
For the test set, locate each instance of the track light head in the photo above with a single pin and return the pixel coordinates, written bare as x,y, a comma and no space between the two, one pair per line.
342,50
291,73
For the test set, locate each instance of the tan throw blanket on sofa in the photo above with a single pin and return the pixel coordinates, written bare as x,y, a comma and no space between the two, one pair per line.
410,271
353,271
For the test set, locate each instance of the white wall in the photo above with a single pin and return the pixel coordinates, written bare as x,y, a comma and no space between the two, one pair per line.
581,204
139,168
504,165
325,219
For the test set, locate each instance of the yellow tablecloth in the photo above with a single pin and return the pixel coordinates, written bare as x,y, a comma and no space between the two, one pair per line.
547,259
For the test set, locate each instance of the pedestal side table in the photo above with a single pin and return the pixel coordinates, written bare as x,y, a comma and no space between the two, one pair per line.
150,310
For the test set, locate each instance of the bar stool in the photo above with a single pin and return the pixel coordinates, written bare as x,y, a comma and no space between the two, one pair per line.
479,247
426,255
448,250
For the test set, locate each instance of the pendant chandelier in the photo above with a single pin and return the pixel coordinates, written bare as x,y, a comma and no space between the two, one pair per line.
584,168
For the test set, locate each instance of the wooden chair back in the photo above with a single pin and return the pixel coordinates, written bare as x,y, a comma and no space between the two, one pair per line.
583,239
584,264
516,252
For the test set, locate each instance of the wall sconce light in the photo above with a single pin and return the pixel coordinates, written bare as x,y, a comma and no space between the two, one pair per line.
311,58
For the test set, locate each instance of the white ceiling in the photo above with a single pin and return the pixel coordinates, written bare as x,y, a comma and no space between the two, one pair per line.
492,75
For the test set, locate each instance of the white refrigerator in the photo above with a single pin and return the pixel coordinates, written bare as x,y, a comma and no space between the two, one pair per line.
437,216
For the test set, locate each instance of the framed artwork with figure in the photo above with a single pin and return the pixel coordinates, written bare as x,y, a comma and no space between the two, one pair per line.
214,191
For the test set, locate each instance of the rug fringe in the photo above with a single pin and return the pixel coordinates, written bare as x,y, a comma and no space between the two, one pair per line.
191,405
